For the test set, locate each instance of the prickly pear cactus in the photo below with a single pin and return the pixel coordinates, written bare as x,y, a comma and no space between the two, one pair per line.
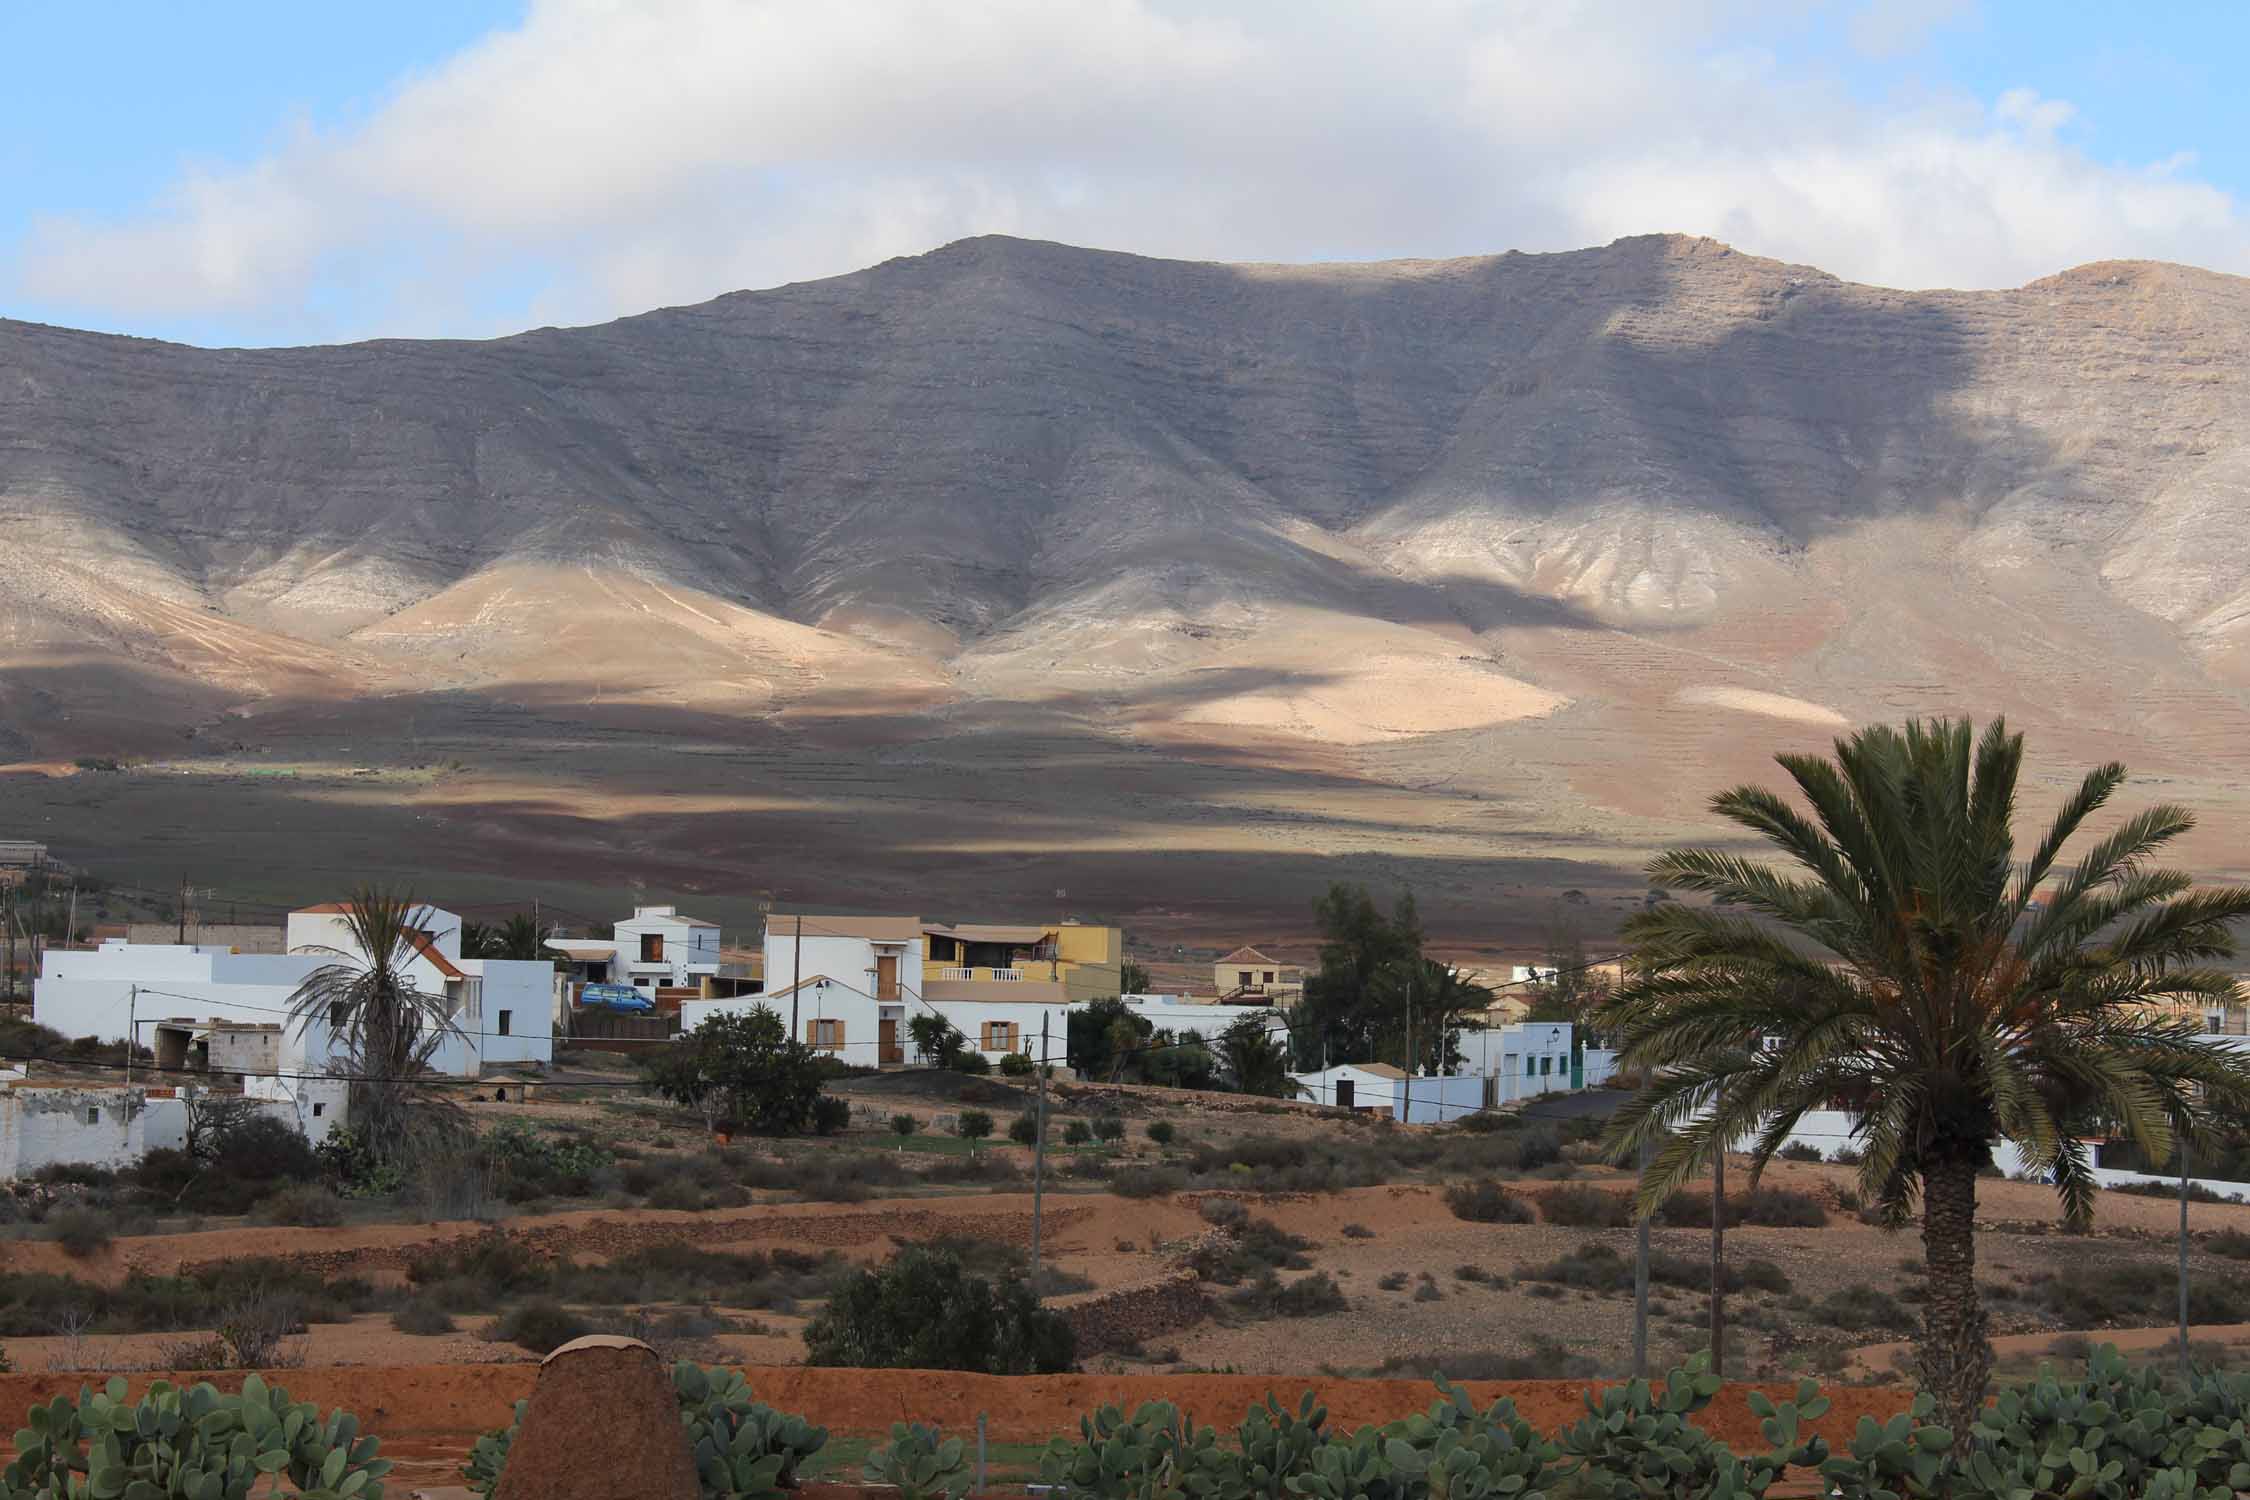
195,1444
1636,1440
1155,1454
920,1463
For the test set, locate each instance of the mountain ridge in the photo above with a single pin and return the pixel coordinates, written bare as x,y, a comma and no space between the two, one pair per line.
1574,537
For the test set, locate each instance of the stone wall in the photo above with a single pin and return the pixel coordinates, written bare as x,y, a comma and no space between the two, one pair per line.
1126,1316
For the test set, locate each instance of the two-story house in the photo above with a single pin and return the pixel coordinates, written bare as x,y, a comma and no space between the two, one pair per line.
1248,977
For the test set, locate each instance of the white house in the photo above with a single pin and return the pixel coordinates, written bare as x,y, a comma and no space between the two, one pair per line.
1384,1089
502,1007
1524,1059
657,947
853,984
115,1125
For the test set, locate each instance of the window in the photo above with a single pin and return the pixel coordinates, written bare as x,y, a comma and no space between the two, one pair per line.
1269,976
1530,1066
1242,978
652,947
506,1016
1546,1066
319,1110
826,1035
998,1036
93,1114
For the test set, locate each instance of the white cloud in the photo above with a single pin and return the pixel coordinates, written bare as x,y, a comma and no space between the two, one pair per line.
609,155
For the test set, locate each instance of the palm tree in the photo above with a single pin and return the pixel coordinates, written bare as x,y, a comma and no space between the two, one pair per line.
386,1028
1912,971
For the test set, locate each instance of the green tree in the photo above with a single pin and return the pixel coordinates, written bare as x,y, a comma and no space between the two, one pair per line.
1438,997
1099,1036
1133,978
921,1311
1948,994
742,1068
936,1039
1349,1008
384,1029
1254,1061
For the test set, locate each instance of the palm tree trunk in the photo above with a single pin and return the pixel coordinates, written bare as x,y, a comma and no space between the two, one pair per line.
1956,1356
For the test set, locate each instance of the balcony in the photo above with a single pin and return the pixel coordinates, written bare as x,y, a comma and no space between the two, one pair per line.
979,976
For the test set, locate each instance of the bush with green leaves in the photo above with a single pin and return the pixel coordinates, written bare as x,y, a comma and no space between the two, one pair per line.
1108,1128
919,1462
904,1124
743,1449
1799,1151
1017,1065
1160,1131
972,1125
921,1310
191,1442
1077,1133
742,1070
1024,1130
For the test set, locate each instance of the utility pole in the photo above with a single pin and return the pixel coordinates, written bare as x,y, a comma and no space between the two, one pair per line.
1410,1042
132,1026
796,971
1719,1259
1640,1280
183,909
2183,1259
1039,1148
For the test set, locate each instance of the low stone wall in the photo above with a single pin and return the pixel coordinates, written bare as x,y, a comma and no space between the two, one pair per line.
1126,1316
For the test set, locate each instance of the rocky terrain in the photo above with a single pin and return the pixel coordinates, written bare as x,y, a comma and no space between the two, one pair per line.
1184,587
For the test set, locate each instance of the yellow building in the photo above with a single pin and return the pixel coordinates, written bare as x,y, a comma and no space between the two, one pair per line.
1060,961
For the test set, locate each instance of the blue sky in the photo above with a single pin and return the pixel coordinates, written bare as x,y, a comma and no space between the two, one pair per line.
260,172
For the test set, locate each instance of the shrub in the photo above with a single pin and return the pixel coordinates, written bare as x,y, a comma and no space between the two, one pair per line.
541,1325
80,1231
1357,1232
919,1462
1308,1296
2231,1243
1147,1182
1024,1130
1586,1208
1487,1202
831,1115
904,1125
423,1318
1257,1246
1845,1156
1109,1128
1016,1065
973,1063
677,1193
306,1205
920,1310
492,1262
1077,1133
1858,1308
1783,1208
1799,1151
973,1125
1161,1132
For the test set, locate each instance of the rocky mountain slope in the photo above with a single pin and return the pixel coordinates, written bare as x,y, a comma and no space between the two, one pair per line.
1529,552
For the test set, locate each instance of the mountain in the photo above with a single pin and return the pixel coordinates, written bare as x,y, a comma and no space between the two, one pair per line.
1182,587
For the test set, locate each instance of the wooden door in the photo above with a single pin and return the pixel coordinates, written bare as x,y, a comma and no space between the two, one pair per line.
886,976
888,1049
